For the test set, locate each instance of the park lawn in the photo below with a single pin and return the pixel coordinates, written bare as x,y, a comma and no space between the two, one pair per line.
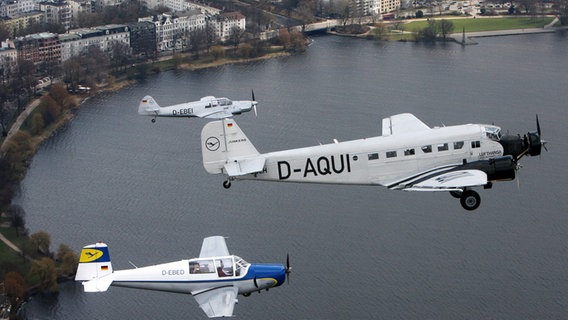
486,24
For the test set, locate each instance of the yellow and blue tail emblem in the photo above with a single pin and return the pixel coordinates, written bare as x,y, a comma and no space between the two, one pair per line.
95,268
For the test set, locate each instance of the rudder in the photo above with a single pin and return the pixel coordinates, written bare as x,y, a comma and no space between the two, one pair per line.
95,268
222,141
148,106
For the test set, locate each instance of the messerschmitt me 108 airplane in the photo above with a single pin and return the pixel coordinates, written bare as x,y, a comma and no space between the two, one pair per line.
207,107
408,156
214,279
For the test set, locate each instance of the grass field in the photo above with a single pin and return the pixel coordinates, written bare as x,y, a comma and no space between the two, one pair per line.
486,24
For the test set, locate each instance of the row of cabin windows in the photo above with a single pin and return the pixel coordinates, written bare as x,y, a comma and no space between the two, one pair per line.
426,149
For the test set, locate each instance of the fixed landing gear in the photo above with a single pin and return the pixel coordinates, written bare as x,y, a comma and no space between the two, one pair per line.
153,120
470,200
226,184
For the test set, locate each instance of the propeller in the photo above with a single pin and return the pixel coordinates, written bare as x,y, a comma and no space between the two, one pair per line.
254,103
255,283
542,142
288,268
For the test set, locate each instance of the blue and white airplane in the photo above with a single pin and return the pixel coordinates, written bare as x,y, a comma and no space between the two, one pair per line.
409,156
214,279
207,107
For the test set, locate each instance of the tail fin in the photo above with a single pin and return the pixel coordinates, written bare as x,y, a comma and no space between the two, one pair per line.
95,268
148,106
223,141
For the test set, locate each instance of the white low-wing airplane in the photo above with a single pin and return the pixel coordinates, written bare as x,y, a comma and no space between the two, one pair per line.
214,279
207,107
408,156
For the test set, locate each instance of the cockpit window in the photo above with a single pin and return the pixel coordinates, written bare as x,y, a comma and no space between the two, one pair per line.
224,267
493,133
240,266
201,266
224,102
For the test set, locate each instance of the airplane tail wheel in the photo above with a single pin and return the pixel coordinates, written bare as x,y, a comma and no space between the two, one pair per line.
153,120
226,184
470,200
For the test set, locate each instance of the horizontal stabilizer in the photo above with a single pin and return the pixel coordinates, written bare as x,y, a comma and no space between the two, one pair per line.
450,181
245,166
98,285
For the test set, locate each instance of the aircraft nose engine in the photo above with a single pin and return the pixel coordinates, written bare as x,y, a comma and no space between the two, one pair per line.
530,143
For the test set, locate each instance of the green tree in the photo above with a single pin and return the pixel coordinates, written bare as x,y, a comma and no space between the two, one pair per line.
68,260
245,50
41,242
37,124
15,289
218,52
17,214
43,272
50,110
61,96
446,27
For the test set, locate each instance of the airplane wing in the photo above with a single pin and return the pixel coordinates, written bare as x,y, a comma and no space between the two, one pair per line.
216,115
446,181
213,247
245,166
218,302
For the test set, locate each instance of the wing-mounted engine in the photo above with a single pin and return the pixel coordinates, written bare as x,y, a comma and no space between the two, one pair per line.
530,144
501,168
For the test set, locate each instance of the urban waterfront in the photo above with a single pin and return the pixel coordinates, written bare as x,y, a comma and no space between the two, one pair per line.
356,252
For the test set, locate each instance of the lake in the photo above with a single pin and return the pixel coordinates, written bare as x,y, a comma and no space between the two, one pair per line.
357,252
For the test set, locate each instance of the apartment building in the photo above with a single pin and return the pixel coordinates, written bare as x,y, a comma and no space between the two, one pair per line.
104,37
173,29
39,48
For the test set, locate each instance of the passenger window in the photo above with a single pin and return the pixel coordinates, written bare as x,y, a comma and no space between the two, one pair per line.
458,145
475,144
373,156
201,266
426,149
443,147
409,152
391,154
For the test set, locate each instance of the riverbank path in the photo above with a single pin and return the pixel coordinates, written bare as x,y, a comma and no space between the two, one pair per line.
18,123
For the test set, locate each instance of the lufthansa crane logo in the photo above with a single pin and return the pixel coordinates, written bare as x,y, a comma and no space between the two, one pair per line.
212,144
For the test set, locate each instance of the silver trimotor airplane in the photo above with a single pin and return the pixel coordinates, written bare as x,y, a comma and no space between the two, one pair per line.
207,107
214,279
409,155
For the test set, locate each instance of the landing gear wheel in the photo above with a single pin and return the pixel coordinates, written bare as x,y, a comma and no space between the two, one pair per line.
456,194
226,184
246,294
153,120
470,200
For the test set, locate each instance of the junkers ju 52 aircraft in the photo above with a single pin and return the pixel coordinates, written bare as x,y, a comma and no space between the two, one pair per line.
207,107
214,279
408,156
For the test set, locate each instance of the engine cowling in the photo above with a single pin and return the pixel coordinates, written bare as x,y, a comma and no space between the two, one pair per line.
500,168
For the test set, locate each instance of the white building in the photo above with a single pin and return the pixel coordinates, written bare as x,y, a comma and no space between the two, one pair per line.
173,30
104,37
224,24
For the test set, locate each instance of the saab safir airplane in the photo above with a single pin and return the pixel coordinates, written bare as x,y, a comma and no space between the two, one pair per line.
408,156
214,279
207,107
